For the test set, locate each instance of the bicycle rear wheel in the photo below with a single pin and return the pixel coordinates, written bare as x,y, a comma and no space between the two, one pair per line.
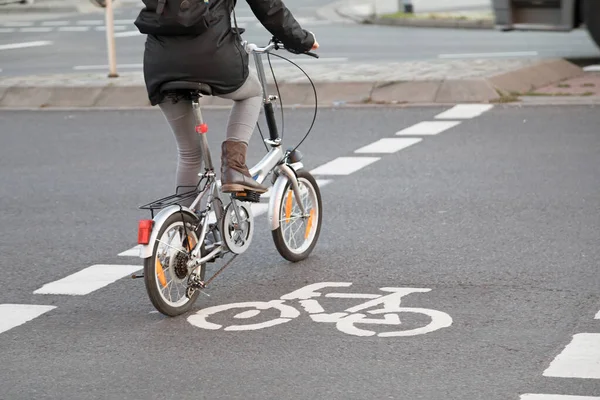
166,273
297,234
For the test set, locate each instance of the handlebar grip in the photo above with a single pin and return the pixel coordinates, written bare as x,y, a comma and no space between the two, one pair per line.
310,53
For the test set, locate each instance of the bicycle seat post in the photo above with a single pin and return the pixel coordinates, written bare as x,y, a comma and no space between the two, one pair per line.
202,129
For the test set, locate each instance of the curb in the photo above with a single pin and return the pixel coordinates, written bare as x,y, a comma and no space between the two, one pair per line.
432,23
503,87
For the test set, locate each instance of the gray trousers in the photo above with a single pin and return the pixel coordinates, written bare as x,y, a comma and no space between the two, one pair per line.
242,120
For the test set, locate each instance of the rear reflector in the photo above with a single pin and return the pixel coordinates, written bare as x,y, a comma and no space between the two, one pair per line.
144,230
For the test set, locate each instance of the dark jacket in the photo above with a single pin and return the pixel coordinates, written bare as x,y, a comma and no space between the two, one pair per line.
214,57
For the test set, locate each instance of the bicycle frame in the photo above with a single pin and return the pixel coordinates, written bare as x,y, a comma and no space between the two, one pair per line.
275,161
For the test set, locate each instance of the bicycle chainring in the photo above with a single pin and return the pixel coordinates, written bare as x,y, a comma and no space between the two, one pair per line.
237,235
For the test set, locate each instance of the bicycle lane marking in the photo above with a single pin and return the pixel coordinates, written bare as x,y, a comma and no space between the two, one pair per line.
13,315
345,322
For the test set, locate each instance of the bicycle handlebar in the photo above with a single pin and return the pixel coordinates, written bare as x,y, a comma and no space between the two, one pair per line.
276,44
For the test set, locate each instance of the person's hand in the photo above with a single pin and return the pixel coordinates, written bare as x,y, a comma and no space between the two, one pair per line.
316,44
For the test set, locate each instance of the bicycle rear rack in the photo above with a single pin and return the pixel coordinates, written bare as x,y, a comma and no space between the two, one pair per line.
174,199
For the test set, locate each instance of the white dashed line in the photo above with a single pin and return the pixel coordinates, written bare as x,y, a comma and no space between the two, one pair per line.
465,111
7,30
88,280
259,209
120,66
597,315
13,315
36,29
592,68
388,145
116,28
128,34
490,55
24,45
16,24
428,128
344,165
133,252
55,23
580,359
90,22
535,396
74,29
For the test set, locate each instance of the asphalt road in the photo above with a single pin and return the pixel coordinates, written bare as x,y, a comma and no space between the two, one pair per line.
78,43
498,216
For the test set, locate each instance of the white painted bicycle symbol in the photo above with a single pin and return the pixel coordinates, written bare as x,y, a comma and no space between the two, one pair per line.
351,321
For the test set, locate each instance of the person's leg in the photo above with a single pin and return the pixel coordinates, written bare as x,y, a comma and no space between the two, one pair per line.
180,117
235,176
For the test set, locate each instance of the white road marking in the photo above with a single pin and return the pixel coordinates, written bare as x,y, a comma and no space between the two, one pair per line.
121,66
115,28
24,45
259,209
13,315
597,315
344,165
90,22
17,24
7,30
88,280
592,68
320,182
428,128
388,145
128,34
74,29
579,359
36,29
536,396
55,23
132,252
465,111
124,21
305,59
491,55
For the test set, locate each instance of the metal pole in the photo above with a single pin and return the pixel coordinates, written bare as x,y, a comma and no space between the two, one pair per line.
110,39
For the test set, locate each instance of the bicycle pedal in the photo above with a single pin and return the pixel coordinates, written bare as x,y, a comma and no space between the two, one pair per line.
248,195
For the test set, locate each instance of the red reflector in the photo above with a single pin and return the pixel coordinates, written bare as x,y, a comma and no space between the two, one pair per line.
202,128
144,230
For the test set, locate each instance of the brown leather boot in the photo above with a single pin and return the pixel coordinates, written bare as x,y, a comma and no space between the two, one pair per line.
235,176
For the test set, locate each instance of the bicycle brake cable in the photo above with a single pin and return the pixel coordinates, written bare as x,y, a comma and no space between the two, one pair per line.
281,101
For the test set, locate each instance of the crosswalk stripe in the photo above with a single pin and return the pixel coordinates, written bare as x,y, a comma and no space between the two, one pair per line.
13,315
344,165
74,28
88,280
597,315
464,111
388,145
36,29
55,23
428,128
579,359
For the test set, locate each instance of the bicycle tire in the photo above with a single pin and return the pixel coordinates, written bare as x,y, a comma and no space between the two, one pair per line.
151,278
304,179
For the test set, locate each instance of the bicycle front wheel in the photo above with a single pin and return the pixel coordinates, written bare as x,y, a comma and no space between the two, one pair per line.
297,234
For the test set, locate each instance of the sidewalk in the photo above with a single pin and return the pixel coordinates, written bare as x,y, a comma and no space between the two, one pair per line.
422,82
427,13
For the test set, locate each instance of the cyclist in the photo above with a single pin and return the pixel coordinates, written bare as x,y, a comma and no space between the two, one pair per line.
214,57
